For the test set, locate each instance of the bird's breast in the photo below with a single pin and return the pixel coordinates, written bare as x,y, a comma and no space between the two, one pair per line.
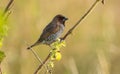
60,31
54,36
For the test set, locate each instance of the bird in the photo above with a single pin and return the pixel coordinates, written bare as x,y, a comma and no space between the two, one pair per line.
52,31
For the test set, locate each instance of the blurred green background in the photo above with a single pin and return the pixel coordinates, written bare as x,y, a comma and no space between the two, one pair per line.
93,47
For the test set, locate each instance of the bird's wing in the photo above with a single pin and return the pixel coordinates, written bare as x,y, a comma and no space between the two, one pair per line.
49,29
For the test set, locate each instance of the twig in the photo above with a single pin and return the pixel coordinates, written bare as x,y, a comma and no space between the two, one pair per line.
69,32
103,1
40,66
8,7
79,21
38,58
35,54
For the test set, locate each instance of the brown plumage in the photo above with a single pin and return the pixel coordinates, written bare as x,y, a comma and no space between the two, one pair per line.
52,31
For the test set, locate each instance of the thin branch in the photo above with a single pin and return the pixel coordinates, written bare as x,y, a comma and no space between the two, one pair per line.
35,54
8,7
37,57
79,21
103,1
40,66
69,32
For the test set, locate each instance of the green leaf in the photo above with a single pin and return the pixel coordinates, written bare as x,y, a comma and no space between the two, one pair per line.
2,56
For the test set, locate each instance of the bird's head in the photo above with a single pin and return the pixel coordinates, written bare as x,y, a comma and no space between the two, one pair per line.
60,18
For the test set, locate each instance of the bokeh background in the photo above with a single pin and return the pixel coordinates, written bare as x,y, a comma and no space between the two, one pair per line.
93,47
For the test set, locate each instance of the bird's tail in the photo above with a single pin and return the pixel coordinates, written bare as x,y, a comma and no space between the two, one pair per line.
33,45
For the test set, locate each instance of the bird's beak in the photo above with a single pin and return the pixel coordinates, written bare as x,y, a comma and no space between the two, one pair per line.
65,19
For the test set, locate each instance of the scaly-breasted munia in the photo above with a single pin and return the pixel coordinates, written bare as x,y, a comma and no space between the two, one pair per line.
52,31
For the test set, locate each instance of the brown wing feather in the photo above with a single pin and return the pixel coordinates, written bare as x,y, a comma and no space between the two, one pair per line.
50,29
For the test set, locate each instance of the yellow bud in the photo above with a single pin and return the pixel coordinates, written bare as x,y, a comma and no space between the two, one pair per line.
58,56
51,64
0,44
58,39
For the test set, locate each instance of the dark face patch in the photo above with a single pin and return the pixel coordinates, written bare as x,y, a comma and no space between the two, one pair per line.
61,18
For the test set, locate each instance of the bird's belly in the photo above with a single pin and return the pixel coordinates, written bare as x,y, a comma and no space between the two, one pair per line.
53,37
50,39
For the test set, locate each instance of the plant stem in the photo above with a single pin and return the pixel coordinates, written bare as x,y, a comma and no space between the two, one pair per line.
79,21
40,66
69,32
8,7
